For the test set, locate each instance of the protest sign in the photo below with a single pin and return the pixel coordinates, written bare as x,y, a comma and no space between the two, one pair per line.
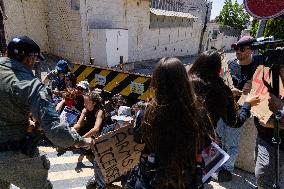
116,152
225,74
214,157
261,111
69,115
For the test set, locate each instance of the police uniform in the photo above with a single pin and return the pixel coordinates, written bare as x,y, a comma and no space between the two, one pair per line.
22,93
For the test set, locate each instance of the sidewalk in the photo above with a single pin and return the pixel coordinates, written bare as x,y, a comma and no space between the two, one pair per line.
241,180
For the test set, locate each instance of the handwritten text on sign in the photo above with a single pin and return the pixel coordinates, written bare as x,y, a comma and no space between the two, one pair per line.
117,153
261,111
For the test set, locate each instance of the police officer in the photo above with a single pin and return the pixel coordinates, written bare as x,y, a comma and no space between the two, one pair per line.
22,93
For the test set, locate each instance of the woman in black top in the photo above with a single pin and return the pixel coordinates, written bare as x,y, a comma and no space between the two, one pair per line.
91,120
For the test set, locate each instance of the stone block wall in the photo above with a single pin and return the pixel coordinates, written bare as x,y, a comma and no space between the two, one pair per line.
27,18
144,42
65,30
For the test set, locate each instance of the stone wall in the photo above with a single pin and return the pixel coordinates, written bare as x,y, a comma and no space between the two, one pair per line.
65,30
144,42
61,27
224,36
27,18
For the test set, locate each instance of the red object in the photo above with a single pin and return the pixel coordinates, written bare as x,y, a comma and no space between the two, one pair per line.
69,102
264,9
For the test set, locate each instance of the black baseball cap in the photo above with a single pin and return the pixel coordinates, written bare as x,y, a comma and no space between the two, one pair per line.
24,46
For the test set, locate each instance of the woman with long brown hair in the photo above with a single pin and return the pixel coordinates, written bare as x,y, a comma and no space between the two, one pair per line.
214,94
173,130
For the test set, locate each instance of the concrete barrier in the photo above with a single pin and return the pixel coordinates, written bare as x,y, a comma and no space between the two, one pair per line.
245,160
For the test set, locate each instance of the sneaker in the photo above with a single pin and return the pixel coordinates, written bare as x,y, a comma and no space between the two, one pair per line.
92,183
224,176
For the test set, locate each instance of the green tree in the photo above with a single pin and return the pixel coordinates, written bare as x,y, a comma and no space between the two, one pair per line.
273,27
233,15
254,27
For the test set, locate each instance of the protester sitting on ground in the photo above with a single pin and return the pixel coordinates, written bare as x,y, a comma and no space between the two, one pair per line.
138,109
70,80
123,118
82,88
174,131
56,76
111,107
214,95
91,119
68,99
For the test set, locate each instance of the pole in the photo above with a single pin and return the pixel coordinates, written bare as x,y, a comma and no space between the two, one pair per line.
204,28
260,31
121,67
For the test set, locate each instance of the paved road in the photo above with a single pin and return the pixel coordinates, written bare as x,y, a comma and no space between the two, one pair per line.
66,173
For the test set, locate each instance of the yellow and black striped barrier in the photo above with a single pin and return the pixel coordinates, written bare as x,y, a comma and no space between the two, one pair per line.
131,85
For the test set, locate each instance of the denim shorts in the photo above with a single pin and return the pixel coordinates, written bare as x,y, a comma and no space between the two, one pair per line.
264,165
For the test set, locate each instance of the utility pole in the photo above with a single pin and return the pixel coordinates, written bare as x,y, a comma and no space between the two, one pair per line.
204,27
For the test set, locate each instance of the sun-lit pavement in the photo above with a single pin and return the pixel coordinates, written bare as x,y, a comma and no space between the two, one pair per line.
66,173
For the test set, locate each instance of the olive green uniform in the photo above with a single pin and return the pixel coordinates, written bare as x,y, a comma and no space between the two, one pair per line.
22,93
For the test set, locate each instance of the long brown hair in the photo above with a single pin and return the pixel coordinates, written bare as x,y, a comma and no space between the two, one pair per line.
172,126
210,88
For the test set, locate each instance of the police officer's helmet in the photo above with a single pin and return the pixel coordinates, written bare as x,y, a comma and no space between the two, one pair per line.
24,46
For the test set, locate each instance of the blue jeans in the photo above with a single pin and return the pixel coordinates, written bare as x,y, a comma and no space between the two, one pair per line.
230,139
99,177
265,163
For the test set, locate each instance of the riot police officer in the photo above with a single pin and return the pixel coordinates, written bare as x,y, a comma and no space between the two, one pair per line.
21,93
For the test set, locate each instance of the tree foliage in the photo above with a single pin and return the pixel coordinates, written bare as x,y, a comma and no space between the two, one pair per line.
233,15
273,27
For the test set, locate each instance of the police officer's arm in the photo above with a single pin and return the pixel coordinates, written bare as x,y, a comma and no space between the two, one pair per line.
97,126
42,108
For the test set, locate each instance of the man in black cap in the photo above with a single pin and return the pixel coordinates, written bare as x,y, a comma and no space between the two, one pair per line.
21,94
241,69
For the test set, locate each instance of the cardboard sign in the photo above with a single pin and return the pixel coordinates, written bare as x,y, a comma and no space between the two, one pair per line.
225,74
261,111
116,153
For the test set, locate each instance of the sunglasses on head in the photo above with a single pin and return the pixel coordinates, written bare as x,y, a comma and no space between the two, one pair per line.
242,49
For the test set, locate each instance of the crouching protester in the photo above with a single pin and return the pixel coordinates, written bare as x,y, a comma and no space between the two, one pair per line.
174,131
21,94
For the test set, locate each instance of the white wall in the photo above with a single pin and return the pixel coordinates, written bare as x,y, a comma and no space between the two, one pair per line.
144,43
222,41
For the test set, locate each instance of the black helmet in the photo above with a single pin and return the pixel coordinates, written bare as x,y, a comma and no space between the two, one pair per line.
24,46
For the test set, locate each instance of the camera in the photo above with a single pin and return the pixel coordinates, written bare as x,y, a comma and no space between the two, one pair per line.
271,54
272,57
